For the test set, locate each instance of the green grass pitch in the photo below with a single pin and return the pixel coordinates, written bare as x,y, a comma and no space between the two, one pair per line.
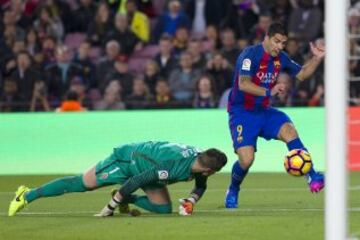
272,206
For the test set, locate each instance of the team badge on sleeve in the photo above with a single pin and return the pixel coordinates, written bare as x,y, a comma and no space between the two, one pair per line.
246,64
163,174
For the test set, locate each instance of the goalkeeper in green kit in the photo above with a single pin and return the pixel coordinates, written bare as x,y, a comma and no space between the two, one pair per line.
149,166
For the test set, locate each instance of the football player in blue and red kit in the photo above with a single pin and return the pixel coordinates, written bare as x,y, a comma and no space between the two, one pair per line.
250,113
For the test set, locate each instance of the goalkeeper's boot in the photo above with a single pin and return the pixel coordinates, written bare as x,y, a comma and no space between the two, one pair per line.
123,207
231,198
19,202
316,182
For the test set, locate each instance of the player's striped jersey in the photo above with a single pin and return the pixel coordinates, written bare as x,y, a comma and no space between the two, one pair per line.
169,162
263,70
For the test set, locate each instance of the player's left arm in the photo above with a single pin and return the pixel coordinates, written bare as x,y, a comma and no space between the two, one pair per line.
318,51
187,204
131,185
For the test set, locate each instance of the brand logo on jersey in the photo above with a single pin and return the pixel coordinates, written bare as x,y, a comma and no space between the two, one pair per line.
267,77
246,64
163,174
262,66
104,176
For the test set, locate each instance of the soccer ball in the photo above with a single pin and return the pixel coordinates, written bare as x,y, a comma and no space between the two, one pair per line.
297,162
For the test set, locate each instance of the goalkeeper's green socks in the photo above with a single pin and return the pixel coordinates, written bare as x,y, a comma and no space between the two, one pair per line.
144,203
57,187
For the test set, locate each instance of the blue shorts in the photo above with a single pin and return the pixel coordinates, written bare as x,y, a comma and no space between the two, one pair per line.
246,126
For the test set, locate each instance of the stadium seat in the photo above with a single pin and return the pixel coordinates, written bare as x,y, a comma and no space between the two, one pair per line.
149,51
73,40
136,65
95,54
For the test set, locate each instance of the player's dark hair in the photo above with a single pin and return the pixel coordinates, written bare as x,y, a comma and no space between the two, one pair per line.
213,159
277,28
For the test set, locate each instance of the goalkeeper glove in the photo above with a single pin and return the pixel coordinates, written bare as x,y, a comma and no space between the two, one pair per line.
186,206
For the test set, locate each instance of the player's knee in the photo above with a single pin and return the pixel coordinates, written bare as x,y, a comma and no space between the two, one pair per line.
162,208
246,159
288,132
246,163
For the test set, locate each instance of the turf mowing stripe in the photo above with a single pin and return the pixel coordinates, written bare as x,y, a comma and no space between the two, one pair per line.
216,190
352,188
356,209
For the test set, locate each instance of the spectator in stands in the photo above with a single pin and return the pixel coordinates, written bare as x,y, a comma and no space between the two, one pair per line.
59,74
305,21
354,20
354,71
219,68
165,58
140,96
100,25
203,13
229,47
22,12
61,10
71,103
205,95
212,36
182,80
77,85
83,60
48,25
293,50
163,97
139,22
280,11
39,100
180,41
48,50
197,55
32,42
124,36
112,97
9,59
241,16
10,99
283,99
107,63
122,75
259,31
311,91
25,76
242,43
84,15
151,75
171,20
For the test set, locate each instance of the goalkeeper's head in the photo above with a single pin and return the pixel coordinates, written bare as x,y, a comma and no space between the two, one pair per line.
211,161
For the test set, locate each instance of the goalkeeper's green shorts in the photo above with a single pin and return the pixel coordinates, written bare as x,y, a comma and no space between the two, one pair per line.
113,171
110,171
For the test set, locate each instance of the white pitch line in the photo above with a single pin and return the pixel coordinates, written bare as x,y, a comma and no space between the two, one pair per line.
356,209
352,188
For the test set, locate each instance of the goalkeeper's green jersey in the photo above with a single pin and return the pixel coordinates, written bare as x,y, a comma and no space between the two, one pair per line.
147,164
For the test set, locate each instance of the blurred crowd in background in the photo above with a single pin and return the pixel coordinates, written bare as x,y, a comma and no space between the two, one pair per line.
76,55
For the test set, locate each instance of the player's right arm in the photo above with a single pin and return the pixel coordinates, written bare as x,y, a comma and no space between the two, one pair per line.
246,85
246,72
